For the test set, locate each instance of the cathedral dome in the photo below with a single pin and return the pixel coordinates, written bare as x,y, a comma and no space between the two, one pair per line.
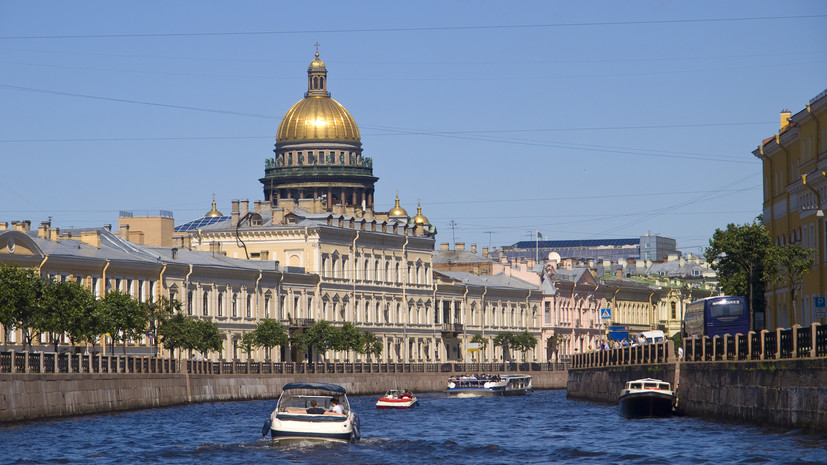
317,116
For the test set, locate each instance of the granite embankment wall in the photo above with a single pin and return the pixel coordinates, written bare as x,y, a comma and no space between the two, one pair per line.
36,396
784,393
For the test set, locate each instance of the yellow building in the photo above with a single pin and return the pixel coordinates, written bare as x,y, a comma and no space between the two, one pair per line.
795,197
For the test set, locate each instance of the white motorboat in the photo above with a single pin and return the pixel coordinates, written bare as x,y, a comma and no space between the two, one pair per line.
489,385
397,399
313,411
647,397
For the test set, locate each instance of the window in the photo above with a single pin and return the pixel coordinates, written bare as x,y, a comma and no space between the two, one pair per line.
674,310
189,302
249,306
548,313
205,303
220,302
235,305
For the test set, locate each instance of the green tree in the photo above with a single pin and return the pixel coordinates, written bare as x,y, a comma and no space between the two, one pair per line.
322,336
370,345
177,332
69,308
158,312
737,254
123,317
268,334
21,299
786,266
524,342
351,339
504,340
207,337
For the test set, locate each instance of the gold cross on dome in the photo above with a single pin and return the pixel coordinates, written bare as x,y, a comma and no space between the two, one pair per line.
317,48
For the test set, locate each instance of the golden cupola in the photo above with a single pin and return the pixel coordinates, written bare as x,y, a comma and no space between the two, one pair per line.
420,218
214,212
397,211
317,116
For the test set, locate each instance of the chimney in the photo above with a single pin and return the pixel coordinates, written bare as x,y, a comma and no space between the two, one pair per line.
4,226
92,238
459,246
55,235
234,214
619,273
245,208
124,232
785,116
473,248
485,252
174,253
108,227
22,226
444,246
257,206
44,230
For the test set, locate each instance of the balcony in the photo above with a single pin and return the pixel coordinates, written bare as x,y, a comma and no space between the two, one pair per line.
451,329
300,323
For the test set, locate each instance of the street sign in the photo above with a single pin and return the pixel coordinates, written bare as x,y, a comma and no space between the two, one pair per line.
818,302
605,313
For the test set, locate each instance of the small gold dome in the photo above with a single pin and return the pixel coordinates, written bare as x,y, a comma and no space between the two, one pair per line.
420,218
213,213
397,211
316,64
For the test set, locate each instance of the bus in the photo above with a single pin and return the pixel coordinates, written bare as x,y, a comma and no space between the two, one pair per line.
716,316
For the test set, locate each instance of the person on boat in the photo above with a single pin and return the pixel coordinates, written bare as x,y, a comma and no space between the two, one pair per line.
315,409
407,394
335,407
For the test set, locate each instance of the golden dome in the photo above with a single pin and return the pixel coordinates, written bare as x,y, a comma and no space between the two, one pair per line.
397,211
213,212
317,116
420,218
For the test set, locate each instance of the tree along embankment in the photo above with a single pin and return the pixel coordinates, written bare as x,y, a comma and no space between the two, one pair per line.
26,397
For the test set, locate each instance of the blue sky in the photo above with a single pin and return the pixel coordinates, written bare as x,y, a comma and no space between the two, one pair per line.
576,119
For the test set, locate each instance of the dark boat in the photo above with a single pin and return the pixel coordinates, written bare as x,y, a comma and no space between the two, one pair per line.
644,398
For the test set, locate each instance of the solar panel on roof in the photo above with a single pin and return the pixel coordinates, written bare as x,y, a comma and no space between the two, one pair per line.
200,223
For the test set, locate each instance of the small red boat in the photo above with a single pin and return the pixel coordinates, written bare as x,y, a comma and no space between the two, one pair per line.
398,399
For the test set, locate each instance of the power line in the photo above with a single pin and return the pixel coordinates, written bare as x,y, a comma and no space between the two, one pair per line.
415,29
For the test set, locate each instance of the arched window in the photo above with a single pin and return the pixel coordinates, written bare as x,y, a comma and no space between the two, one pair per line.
249,306
315,82
205,303
189,302
220,307
235,305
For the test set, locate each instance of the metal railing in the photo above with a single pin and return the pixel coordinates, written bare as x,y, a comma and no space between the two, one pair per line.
637,355
796,342
58,363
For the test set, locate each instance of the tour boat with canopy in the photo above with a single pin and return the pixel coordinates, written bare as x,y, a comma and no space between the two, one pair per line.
489,385
397,399
312,411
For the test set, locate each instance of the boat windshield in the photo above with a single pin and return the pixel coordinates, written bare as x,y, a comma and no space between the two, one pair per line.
298,403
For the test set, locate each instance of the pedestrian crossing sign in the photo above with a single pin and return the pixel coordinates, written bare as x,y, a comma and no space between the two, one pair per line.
605,313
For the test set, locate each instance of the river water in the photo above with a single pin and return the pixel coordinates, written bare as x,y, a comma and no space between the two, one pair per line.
540,428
